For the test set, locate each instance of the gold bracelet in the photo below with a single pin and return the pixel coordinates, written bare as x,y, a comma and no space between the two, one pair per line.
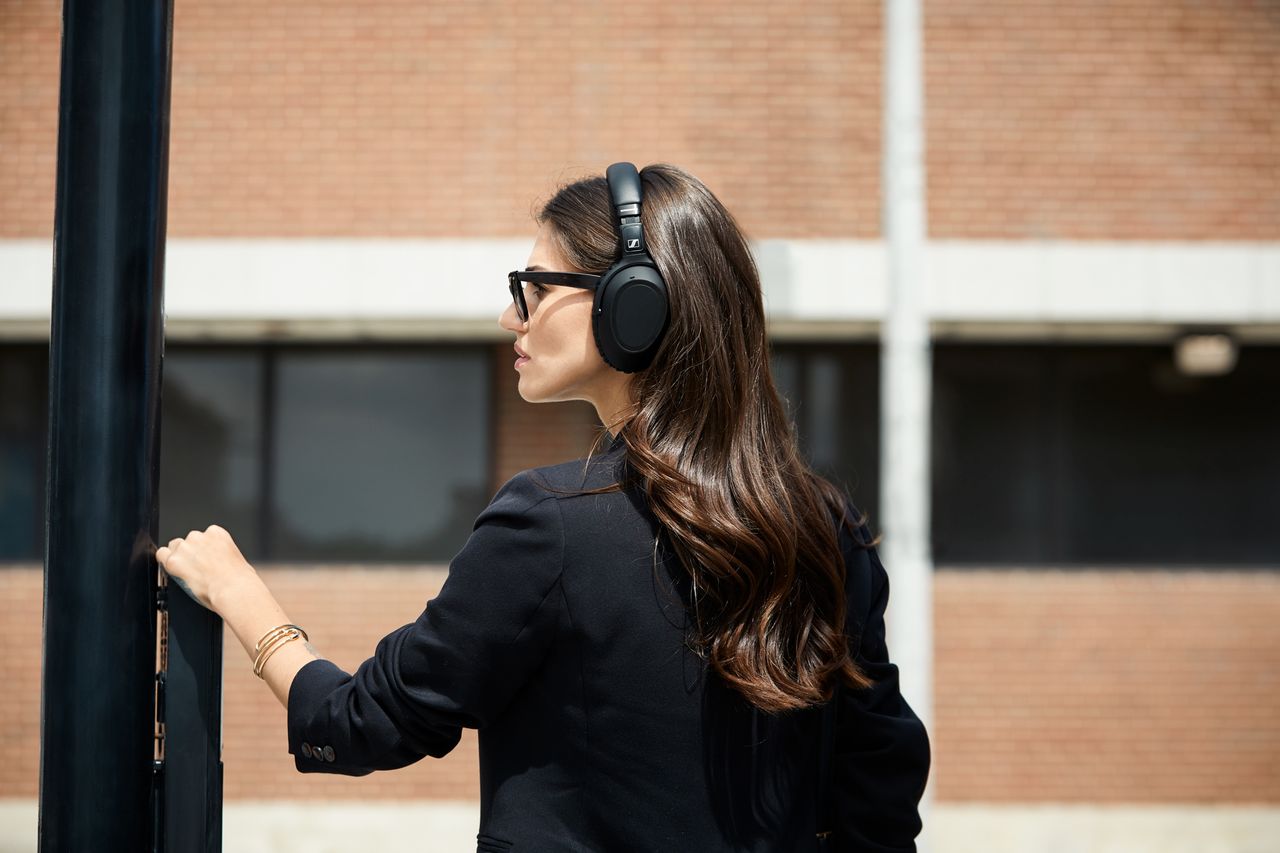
280,640
261,662
279,630
260,659
277,640
271,641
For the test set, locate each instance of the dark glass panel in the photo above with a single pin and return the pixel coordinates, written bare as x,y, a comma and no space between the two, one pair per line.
991,453
1104,454
1163,467
24,412
832,392
211,443
379,454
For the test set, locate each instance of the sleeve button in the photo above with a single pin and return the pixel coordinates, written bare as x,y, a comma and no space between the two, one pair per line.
306,750
328,754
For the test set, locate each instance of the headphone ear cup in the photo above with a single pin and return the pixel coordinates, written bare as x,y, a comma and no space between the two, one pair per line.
629,315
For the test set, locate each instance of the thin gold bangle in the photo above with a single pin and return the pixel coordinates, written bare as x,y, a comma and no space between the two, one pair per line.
279,630
275,641
260,664
265,655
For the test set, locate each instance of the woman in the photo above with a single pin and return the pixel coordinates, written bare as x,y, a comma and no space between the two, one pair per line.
646,638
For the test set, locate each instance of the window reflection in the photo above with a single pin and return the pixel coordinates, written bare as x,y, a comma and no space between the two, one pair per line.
210,444
832,395
24,405
379,455
1094,455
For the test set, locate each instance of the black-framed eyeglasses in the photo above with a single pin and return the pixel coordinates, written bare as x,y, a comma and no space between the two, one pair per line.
568,279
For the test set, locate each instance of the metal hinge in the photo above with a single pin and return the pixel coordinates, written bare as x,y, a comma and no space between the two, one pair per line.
157,763
162,666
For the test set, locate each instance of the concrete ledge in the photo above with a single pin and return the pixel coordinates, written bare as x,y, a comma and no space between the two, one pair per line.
401,827
1085,828
452,287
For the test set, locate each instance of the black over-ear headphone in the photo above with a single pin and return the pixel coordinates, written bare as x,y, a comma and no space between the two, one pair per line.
629,317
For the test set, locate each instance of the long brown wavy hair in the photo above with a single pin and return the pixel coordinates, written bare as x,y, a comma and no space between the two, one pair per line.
709,442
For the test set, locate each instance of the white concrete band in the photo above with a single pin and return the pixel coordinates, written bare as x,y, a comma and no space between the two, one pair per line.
457,288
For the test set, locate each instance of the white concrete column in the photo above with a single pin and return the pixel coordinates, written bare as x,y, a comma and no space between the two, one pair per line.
905,372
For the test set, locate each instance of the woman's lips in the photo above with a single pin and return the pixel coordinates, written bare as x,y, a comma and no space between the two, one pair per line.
521,358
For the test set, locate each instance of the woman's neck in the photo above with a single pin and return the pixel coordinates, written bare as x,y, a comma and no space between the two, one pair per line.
614,407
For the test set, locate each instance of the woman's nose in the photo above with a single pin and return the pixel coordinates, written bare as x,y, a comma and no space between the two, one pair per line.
509,320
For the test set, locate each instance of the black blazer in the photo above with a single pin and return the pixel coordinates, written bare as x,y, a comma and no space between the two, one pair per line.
560,640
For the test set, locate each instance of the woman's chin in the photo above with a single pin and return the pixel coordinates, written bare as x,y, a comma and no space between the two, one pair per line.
529,392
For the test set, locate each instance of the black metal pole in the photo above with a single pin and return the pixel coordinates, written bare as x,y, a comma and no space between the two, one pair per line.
105,349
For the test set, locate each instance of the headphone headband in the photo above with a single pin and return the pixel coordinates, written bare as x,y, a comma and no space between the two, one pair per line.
624,190
624,184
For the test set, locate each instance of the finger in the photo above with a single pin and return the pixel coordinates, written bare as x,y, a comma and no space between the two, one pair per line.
162,554
174,543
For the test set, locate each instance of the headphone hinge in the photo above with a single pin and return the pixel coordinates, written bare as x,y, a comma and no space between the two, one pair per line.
632,239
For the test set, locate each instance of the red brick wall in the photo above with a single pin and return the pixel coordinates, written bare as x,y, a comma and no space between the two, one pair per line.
21,642
1097,120
1107,686
1103,120
1099,686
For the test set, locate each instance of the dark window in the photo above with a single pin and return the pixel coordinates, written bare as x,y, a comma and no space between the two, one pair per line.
1095,455
1066,455
308,453
991,453
832,392
378,454
24,412
211,443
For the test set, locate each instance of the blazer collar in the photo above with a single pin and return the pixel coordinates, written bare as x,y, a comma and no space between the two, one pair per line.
615,443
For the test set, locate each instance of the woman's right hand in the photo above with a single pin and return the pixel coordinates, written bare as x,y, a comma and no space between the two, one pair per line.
205,563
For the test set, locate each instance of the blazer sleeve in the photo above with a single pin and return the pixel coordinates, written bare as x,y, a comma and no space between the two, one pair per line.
882,752
476,643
